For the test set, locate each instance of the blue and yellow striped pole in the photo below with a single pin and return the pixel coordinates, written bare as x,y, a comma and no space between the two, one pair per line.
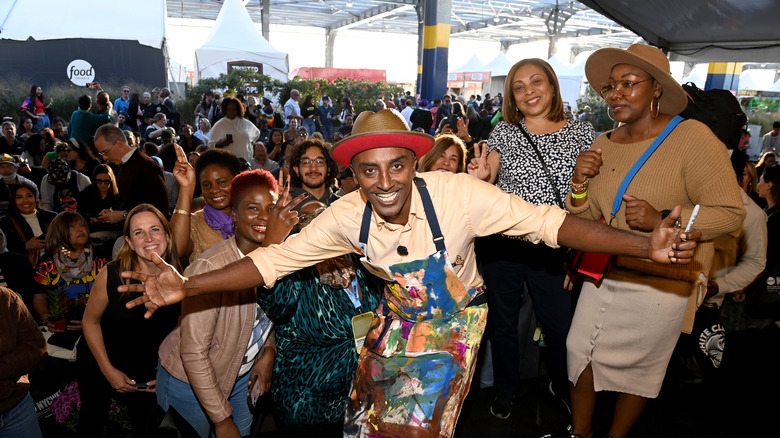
432,74
723,75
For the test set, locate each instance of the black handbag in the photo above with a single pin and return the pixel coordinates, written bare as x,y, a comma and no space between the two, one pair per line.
173,425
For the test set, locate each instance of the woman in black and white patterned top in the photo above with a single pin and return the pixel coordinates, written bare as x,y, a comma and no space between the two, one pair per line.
533,113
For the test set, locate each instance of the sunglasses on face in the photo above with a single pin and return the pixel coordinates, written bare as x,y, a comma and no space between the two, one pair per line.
103,181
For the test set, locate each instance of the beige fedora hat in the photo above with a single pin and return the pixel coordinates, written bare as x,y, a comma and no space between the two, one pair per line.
383,129
599,65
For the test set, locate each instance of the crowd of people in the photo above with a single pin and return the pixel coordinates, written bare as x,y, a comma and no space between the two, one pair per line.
292,198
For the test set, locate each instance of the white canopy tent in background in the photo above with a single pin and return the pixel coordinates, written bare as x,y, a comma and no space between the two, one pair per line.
234,38
474,64
570,79
757,79
697,75
498,68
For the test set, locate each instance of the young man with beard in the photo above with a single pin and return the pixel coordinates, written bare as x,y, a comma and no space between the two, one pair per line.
313,171
415,231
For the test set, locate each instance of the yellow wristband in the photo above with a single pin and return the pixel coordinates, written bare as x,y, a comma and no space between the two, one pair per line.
579,195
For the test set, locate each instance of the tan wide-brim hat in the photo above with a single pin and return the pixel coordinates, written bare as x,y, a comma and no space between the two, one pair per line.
383,129
599,65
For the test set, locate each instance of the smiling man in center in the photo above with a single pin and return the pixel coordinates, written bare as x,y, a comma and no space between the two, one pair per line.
417,233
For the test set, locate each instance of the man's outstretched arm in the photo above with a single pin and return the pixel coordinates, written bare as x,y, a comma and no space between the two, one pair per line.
170,287
665,244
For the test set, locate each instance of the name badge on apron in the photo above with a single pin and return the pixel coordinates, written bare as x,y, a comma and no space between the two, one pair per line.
361,324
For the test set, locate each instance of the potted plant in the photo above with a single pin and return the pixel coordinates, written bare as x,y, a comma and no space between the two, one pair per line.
74,307
57,309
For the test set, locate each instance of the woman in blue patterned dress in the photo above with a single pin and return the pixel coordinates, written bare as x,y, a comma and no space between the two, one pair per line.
316,355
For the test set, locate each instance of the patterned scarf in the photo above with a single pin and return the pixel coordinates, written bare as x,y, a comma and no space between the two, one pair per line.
218,221
70,269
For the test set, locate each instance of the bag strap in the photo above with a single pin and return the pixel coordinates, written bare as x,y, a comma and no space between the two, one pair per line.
639,163
539,155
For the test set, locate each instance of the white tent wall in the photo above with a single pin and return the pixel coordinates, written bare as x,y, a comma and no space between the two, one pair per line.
56,20
234,38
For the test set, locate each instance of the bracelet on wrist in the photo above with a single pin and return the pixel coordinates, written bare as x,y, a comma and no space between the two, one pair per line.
181,211
580,187
579,195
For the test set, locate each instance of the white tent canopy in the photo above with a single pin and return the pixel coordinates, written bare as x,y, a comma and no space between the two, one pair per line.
757,79
564,68
570,78
56,20
234,38
473,65
500,65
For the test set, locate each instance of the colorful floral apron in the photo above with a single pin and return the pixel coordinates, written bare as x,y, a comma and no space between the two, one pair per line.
417,361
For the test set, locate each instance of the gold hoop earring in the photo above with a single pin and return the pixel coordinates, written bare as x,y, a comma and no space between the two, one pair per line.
610,115
657,108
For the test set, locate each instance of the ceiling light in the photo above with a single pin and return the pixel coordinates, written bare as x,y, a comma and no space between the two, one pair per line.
496,19
350,3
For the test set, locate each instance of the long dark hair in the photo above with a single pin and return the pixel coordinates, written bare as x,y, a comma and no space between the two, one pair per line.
81,148
105,168
33,145
269,145
33,96
12,208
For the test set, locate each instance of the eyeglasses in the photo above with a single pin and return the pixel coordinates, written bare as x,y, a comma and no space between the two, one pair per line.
623,87
306,218
303,134
103,181
105,152
319,162
125,91
68,202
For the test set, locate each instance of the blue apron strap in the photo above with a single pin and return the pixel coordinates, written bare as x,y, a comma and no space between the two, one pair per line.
430,213
640,162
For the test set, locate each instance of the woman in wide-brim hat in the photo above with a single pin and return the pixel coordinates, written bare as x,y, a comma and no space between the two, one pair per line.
625,328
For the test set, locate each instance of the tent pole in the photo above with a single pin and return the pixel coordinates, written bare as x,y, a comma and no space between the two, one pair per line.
265,17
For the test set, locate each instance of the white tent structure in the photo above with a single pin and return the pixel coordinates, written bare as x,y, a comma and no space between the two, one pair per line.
697,75
234,39
500,65
570,79
498,68
757,79
53,20
474,64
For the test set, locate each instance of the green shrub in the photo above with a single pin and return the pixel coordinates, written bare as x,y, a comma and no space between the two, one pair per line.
763,118
13,91
598,111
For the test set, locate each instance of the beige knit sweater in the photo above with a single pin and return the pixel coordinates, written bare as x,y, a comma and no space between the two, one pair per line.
690,167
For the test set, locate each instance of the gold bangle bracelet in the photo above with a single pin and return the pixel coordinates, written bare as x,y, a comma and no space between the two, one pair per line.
181,211
580,187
